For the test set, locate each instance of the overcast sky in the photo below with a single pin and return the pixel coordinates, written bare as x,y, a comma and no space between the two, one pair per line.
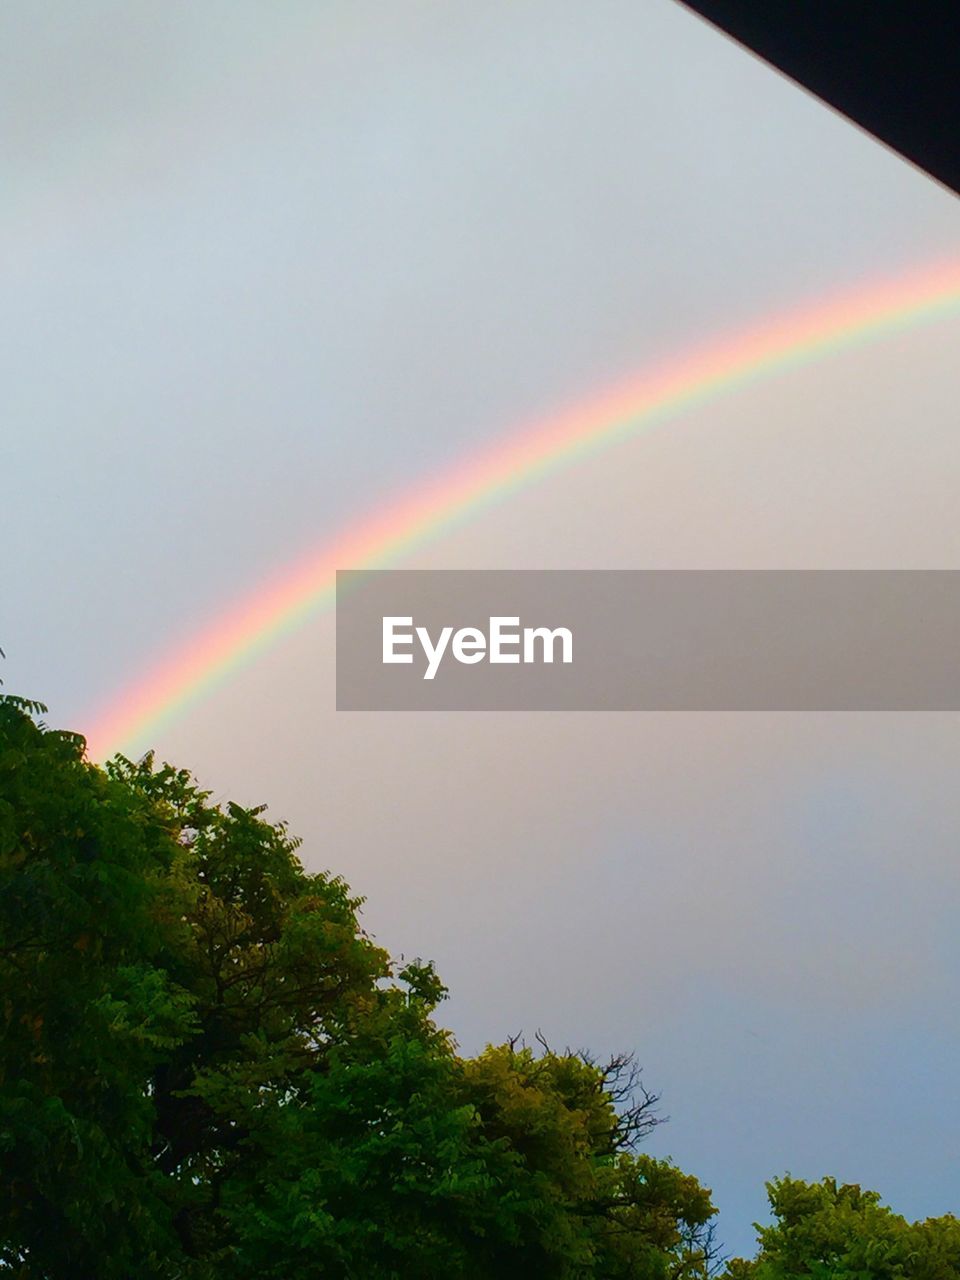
265,265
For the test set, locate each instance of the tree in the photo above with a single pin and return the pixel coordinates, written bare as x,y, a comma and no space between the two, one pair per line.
89,1010
208,1068
828,1231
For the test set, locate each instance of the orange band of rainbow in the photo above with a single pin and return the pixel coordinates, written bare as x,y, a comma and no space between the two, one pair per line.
298,592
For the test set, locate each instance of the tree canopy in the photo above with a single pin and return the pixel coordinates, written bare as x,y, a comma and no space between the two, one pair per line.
209,1069
828,1231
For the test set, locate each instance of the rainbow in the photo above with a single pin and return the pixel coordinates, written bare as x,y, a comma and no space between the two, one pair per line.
284,603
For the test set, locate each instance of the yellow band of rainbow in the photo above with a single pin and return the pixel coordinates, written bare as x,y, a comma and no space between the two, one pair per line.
295,594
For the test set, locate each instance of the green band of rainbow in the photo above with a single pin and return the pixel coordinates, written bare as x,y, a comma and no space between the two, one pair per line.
284,603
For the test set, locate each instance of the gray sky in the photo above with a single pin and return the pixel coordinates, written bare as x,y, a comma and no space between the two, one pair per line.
265,265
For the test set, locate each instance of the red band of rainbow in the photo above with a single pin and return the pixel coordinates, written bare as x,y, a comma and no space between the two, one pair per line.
296,593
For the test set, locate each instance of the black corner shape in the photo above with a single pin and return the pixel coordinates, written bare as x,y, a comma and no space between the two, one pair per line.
891,66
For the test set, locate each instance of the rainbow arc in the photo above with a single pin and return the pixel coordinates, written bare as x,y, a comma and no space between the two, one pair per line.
382,538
